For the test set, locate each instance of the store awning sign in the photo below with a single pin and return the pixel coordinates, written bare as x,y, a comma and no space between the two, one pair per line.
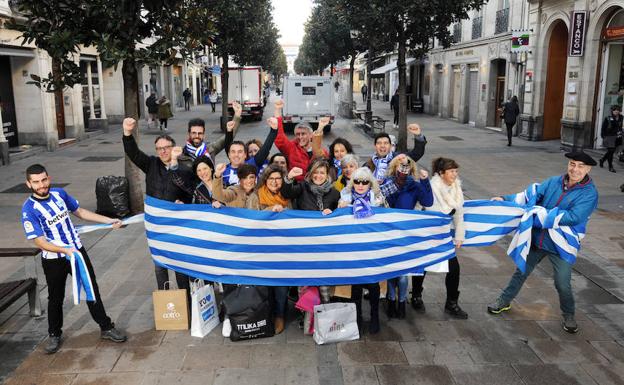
577,37
520,41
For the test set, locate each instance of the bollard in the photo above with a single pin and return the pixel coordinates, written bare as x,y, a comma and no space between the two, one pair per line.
4,152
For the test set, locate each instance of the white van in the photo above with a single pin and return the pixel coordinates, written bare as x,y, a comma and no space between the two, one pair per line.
308,98
245,86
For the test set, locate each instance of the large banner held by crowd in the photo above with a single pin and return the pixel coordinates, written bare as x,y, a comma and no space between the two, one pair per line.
294,248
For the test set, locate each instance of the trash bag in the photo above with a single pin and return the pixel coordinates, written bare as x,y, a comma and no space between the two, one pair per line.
113,196
250,313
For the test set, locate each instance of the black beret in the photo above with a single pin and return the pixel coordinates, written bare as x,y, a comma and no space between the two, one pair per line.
581,157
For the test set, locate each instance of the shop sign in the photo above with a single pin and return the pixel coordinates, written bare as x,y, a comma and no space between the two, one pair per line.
577,37
520,41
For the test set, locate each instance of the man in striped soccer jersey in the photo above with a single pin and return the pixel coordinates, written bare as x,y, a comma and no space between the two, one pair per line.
46,221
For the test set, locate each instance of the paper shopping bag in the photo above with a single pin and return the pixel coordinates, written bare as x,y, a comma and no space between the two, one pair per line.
335,322
170,309
204,312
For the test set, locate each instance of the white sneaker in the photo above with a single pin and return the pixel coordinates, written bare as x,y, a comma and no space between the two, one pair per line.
227,328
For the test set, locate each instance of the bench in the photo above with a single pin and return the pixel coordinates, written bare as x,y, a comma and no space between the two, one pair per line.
13,290
377,123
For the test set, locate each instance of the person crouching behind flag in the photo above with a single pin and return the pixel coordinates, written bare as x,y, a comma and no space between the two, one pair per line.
270,198
46,221
575,197
362,193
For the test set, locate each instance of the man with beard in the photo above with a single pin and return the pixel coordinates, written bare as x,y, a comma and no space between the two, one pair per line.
46,221
195,145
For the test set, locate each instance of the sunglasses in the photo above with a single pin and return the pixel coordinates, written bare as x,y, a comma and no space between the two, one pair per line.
362,182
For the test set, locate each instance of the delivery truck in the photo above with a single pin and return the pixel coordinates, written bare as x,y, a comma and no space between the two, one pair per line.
245,86
307,98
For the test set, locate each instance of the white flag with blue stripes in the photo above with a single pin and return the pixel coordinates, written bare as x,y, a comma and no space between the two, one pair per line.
294,248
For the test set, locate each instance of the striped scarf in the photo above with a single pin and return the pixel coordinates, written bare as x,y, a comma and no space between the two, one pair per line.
361,204
381,165
196,152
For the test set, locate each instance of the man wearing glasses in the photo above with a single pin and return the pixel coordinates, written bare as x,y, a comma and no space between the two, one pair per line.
158,182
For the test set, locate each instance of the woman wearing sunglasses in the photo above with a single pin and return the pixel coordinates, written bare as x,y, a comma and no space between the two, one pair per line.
362,193
405,188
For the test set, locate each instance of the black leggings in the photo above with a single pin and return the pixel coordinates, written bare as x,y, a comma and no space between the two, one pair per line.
609,156
509,131
451,281
373,298
396,116
163,122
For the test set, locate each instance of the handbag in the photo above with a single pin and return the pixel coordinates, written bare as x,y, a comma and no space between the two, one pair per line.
170,309
335,322
250,313
204,313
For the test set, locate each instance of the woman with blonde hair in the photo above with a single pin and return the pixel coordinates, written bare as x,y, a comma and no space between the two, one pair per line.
362,193
448,199
348,164
405,188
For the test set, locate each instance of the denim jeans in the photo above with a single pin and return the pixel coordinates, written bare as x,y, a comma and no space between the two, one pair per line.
401,282
280,294
562,272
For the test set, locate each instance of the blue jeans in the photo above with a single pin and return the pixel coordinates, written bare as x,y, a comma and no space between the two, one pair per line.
401,282
280,294
562,271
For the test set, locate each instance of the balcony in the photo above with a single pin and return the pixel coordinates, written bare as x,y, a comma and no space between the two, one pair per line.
477,23
457,33
502,21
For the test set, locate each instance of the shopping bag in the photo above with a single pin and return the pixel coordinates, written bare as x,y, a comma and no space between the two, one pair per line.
308,298
170,309
250,313
204,312
335,322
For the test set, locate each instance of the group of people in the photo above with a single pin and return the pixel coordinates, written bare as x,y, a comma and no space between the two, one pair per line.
158,110
306,176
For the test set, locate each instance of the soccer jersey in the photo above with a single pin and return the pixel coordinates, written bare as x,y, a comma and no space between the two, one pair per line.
230,175
50,218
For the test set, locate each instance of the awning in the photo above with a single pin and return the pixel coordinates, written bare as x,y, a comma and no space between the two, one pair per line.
389,67
22,52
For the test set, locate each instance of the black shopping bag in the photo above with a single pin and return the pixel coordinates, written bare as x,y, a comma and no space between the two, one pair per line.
249,311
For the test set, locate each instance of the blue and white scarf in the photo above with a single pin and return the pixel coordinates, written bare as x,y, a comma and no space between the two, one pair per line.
361,204
338,168
381,165
196,152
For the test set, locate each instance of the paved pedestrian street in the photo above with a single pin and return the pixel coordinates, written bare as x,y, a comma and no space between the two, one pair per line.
523,346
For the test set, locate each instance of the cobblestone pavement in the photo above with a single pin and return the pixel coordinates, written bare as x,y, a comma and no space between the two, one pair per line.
523,346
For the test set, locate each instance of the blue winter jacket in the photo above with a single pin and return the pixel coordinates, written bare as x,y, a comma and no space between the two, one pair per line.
412,192
579,202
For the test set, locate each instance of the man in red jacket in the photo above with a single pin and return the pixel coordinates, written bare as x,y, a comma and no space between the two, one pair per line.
299,150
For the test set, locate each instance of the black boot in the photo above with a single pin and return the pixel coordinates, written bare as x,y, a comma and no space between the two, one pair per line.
418,304
373,328
611,169
401,312
391,309
601,162
454,310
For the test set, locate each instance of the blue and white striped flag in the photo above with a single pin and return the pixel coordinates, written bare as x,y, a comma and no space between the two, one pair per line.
294,248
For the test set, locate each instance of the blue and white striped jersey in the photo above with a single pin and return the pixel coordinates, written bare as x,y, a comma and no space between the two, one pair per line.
50,218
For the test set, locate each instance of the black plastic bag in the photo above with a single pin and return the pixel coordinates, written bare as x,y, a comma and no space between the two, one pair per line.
250,313
113,195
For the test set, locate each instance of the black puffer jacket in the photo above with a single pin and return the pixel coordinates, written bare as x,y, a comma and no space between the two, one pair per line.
304,198
159,181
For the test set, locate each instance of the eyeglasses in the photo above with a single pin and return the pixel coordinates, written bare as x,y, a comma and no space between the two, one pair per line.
164,148
362,182
274,179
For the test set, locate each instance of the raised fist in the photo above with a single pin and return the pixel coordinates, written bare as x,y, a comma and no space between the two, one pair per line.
272,121
176,152
414,128
423,174
279,104
238,110
128,125
230,125
324,121
295,172
220,169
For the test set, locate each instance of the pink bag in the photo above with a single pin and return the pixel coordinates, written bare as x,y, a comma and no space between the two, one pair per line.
308,298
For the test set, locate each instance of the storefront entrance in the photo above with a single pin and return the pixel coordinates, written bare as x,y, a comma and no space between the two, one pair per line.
555,81
612,72
7,104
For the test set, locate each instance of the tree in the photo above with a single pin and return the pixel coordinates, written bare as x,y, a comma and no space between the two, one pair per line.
409,26
132,33
279,66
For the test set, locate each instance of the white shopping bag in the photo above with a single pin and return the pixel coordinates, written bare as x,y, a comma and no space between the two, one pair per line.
204,311
335,322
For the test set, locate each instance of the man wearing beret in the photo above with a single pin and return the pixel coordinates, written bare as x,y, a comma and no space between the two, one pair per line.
575,194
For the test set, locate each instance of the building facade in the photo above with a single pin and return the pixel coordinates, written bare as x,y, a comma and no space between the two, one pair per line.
575,72
469,81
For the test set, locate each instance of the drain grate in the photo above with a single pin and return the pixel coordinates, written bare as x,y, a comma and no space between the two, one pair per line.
450,138
22,188
100,159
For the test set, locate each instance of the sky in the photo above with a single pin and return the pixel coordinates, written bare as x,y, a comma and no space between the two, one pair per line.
289,16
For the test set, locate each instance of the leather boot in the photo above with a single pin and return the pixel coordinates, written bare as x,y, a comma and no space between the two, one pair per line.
401,312
391,309
279,325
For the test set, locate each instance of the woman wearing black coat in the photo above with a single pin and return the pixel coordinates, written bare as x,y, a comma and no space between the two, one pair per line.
511,110
611,129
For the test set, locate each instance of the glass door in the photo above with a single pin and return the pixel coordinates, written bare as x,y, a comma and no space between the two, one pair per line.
612,85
